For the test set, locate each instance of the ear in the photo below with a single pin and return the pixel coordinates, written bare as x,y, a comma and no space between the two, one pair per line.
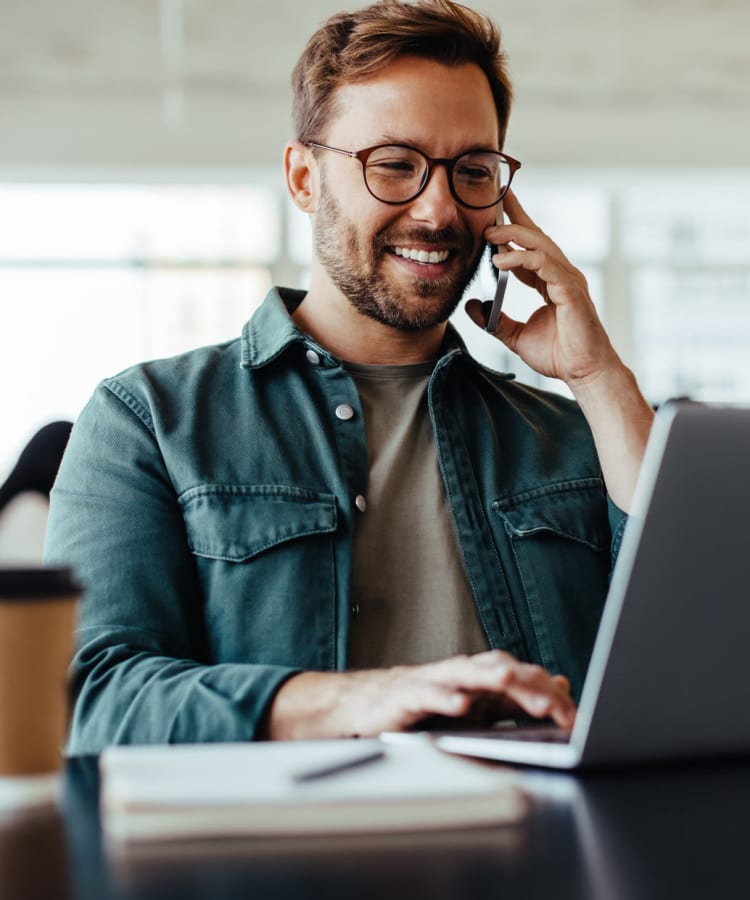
301,170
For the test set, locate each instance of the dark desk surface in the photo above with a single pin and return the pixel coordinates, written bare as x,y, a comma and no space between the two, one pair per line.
679,832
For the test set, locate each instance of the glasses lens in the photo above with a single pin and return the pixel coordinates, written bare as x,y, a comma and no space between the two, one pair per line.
480,179
394,174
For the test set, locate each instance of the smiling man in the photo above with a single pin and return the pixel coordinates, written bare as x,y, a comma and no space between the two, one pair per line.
341,523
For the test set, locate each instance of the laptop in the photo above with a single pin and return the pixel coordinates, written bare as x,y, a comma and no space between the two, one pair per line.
669,675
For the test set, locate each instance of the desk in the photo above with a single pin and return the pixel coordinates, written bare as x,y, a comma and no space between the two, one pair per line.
680,832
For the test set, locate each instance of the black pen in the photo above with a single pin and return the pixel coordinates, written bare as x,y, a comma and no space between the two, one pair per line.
332,768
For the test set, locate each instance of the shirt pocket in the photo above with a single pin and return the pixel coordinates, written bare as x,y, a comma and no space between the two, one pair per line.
265,556
559,539
574,510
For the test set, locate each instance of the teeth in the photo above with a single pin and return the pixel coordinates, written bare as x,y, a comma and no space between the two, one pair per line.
422,256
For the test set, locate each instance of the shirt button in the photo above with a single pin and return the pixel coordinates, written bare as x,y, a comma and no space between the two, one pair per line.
360,502
313,358
344,412
355,610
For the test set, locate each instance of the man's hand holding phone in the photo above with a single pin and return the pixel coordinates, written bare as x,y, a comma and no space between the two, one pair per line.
564,338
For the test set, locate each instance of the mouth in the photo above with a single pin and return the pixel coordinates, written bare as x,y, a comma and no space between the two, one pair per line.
423,262
421,256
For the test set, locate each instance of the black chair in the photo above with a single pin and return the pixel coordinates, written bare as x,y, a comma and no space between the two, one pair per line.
38,463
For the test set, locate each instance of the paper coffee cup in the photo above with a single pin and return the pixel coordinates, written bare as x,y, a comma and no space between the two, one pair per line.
37,618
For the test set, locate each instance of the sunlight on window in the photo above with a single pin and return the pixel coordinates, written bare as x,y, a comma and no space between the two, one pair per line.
125,222
101,277
690,262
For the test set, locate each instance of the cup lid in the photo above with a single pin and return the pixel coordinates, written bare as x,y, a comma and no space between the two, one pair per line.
37,582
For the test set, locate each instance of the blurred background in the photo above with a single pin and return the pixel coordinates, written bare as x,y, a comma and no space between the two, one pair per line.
143,211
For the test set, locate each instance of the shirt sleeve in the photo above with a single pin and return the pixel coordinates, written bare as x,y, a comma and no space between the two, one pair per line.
140,672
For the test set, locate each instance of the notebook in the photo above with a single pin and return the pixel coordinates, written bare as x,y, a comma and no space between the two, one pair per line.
669,675
324,787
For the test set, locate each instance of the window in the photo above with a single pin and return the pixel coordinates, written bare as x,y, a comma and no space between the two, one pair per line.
94,278
688,244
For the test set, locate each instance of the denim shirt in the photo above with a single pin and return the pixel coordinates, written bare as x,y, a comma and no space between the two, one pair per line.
207,502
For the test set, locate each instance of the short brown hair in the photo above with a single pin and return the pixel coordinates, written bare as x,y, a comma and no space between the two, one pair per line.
354,46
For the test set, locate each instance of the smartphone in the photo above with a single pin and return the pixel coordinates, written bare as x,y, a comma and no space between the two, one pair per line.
502,282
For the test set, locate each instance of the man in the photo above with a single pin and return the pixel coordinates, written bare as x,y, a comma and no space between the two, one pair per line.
341,523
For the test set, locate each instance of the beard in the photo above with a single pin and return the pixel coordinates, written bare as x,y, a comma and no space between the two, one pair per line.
353,263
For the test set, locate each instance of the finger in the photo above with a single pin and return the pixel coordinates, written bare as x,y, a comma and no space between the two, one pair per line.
516,213
544,706
529,236
504,238
421,695
541,695
527,278
490,657
541,250
509,331
537,267
478,311
500,248
487,671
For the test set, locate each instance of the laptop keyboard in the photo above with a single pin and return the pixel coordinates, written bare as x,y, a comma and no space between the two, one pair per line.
547,735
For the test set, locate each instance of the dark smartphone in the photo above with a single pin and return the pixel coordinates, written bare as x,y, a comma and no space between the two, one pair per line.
502,284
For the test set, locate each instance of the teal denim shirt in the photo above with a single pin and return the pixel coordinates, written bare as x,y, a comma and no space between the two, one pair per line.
207,504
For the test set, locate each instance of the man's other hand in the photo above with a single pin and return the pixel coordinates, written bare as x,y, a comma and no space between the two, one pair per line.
364,703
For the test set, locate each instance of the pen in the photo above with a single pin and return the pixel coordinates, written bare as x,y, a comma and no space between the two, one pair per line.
332,768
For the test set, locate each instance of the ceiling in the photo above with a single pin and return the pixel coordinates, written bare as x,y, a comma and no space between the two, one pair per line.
96,85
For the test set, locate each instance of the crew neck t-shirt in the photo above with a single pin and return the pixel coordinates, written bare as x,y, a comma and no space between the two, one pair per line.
412,599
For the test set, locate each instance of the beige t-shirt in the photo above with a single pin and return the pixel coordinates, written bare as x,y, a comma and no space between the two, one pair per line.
412,598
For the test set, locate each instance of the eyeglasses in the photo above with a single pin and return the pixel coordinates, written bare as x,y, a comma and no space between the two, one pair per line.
397,173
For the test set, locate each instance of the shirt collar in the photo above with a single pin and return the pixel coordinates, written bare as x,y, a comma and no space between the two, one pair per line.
271,330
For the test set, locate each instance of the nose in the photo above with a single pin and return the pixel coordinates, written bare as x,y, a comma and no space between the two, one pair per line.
436,205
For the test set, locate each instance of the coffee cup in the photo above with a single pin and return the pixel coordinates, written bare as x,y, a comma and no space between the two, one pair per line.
37,618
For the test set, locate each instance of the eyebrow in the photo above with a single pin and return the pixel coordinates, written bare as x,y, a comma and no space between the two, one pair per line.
475,148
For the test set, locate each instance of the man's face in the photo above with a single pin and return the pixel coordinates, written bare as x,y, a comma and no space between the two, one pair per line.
365,245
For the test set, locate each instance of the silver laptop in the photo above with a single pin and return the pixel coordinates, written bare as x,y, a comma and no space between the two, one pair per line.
669,675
